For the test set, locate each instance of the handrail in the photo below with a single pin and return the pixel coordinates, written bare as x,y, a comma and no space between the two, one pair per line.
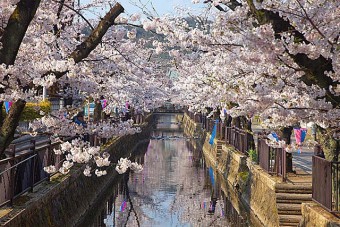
40,154
18,163
272,160
22,173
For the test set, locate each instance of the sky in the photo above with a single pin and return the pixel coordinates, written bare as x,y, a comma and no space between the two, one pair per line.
161,6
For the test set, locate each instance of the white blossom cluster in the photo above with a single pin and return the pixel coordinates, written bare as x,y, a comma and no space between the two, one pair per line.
78,151
108,130
124,164
234,59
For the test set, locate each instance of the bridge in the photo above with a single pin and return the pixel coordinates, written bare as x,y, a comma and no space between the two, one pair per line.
168,109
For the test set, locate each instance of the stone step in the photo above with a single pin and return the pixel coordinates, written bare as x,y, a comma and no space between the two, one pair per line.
292,197
288,207
293,201
295,189
293,186
291,219
287,224
289,212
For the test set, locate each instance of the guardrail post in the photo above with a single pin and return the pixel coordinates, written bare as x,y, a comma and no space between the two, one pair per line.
12,173
277,160
33,165
257,148
12,150
96,140
49,157
284,166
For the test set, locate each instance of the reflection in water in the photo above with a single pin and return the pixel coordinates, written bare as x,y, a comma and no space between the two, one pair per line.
174,189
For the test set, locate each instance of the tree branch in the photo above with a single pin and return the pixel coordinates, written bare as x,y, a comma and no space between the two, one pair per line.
10,123
62,3
85,48
16,29
1,115
314,68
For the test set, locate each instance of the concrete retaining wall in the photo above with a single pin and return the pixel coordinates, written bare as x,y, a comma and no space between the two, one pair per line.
249,188
314,215
64,200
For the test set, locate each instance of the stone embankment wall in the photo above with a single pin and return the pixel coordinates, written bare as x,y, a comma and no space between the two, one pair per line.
64,200
314,215
250,189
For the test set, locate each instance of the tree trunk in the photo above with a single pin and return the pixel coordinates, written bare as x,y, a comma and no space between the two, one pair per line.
1,114
97,113
250,136
236,122
10,123
16,29
328,143
285,134
85,48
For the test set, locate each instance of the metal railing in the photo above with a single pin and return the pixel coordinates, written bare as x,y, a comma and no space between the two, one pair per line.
209,124
238,138
234,136
24,166
23,169
327,174
272,160
221,130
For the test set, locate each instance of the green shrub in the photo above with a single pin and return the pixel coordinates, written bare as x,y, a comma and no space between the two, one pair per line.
32,110
253,155
244,176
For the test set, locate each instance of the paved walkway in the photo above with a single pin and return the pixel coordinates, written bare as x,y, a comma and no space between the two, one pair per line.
303,160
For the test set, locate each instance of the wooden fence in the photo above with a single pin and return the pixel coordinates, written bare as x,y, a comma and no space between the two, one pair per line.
326,174
326,184
273,160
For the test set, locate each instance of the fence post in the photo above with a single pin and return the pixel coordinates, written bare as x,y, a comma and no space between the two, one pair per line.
284,167
12,173
96,140
257,148
33,165
49,157
277,161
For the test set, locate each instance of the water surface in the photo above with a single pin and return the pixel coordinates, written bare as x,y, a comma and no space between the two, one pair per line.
174,189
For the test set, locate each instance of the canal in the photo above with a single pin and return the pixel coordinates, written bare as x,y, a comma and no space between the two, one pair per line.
176,187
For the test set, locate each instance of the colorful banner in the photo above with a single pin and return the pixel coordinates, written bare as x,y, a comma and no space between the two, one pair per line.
300,135
273,136
8,106
104,103
213,133
123,206
211,176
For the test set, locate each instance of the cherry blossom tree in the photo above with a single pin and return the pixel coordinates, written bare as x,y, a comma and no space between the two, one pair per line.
43,43
275,59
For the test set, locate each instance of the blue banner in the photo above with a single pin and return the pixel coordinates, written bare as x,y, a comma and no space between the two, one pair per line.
213,133
8,106
211,175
